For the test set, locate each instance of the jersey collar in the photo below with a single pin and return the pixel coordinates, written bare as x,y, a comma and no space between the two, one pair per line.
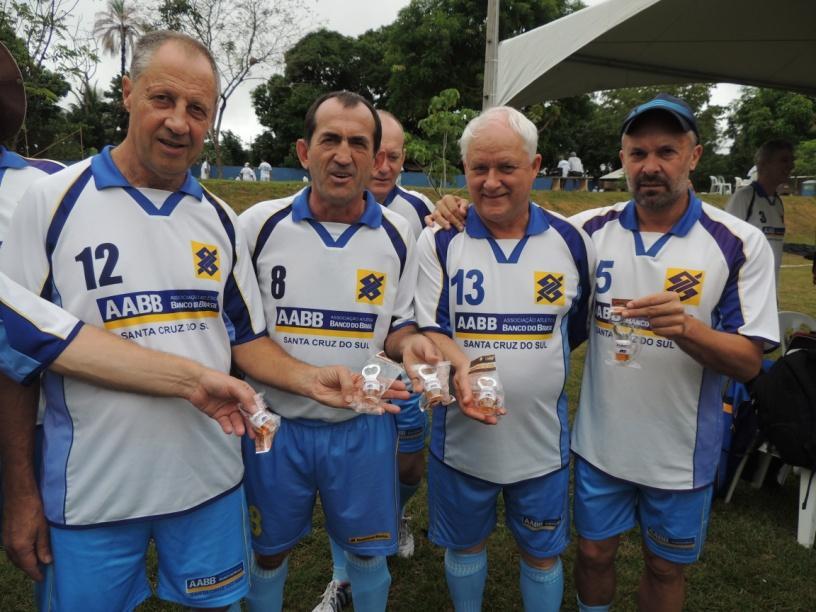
372,214
107,175
10,159
537,223
628,218
760,191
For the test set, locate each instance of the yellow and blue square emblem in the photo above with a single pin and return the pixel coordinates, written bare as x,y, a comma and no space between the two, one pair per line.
688,283
548,288
370,286
206,261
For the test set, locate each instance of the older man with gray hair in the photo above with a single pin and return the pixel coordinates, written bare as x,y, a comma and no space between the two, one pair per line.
130,242
515,284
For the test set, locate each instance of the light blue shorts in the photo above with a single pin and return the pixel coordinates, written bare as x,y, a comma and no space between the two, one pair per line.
351,464
203,560
412,423
462,510
673,524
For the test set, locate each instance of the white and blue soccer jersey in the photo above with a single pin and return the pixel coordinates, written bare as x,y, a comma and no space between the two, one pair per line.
33,332
169,271
765,212
526,301
659,425
331,292
16,174
410,204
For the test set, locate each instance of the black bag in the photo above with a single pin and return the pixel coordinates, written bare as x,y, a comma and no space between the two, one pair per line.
785,401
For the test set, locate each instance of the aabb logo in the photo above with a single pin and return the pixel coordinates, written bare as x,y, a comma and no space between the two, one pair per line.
549,288
206,261
688,283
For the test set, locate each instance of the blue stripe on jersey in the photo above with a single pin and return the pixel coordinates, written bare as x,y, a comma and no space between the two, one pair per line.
397,241
514,255
729,309
266,230
327,238
418,204
578,315
56,448
595,223
30,350
46,165
562,407
235,308
442,239
150,208
58,221
709,431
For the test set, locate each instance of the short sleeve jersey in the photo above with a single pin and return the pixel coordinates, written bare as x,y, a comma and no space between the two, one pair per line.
16,174
410,204
331,292
168,271
525,301
659,424
33,333
767,214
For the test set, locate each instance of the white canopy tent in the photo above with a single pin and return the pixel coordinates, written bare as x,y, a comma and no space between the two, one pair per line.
628,43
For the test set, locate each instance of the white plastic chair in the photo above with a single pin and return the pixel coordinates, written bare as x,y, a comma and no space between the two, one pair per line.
740,182
716,186
725,186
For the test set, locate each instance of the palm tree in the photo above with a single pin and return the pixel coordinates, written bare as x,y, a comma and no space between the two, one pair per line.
118,27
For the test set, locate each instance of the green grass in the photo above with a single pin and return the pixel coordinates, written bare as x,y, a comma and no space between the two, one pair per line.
751,560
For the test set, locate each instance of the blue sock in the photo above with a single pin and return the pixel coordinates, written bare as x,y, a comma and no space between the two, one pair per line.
582,607
542,589
466,575
339,572
370,582
266,590
406,492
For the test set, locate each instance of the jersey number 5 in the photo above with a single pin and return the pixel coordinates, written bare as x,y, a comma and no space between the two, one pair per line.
603,276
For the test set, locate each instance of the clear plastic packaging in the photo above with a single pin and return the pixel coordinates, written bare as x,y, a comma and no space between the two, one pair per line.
435,383
379,373
264,423
485,384
624,333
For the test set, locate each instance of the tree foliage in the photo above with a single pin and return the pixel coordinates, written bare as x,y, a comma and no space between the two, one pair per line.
117,28
246,37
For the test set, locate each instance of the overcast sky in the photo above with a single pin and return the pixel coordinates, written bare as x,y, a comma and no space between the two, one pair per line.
349,17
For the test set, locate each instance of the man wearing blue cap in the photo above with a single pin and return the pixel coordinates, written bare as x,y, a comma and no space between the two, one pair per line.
684,293
694,287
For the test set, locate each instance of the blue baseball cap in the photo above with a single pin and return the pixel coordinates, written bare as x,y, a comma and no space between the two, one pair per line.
676,107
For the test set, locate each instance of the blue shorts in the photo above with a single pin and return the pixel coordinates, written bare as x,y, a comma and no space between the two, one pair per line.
352,465
203,560
673,524
412,424
462,510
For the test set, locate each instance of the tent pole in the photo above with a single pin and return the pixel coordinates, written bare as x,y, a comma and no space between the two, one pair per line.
491,54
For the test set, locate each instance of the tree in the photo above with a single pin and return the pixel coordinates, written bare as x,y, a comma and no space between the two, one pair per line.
320,62
438,154
245,37
117,27
763,114
455,32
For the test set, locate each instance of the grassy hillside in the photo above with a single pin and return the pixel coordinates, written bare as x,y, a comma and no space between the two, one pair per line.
800,213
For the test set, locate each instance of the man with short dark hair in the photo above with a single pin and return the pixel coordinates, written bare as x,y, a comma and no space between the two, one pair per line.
759,203
129,241
692,288
337,273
